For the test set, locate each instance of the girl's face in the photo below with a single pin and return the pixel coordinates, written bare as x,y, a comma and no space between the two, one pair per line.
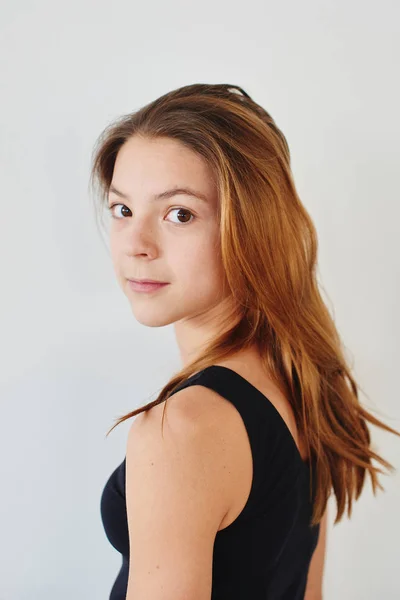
173,239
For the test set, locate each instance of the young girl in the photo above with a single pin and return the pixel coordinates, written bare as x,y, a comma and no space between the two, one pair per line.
224,495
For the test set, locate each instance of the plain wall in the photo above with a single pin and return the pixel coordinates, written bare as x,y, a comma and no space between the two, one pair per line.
73,358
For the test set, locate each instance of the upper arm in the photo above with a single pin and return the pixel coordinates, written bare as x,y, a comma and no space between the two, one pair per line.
314,587
175,500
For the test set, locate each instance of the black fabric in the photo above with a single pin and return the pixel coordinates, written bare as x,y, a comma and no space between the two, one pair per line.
265,553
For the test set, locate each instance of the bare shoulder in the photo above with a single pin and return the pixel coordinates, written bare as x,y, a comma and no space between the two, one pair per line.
199,425
194,407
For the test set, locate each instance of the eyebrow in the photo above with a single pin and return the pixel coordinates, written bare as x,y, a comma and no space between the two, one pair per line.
167,194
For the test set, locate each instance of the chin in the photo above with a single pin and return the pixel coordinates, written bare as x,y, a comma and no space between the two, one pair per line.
148,319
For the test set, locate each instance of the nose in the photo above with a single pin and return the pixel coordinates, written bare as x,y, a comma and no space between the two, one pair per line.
141,238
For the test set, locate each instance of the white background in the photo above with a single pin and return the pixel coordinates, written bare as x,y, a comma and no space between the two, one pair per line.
72,356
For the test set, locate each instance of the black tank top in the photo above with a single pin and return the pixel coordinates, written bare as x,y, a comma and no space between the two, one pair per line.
265,553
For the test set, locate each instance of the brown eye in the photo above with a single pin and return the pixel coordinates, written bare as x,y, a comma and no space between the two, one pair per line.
184,214
111,209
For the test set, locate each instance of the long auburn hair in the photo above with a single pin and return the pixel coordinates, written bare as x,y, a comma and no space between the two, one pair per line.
269,253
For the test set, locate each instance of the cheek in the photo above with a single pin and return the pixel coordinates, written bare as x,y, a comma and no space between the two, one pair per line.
200,267
115,255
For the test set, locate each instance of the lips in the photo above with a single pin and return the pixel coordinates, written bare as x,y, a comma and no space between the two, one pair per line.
146,281
141,286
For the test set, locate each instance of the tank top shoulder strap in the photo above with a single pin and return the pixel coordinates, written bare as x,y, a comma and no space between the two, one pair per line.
251,403
230,385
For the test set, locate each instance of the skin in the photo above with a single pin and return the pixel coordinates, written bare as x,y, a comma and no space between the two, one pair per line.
152,241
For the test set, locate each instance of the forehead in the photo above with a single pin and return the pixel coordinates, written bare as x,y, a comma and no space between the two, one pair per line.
150,165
